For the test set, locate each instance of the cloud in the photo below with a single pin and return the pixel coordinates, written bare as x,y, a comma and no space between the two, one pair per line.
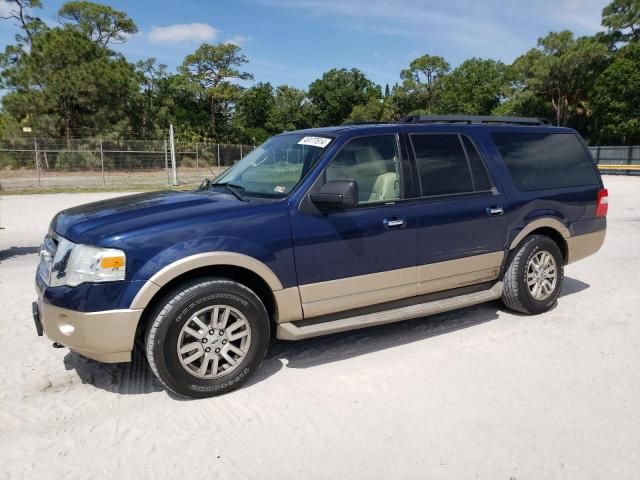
491,28
183,32
5,8
238,40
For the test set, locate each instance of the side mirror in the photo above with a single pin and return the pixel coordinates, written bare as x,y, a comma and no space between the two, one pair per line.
338,194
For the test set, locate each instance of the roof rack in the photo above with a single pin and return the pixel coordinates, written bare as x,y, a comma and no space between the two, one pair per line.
475,119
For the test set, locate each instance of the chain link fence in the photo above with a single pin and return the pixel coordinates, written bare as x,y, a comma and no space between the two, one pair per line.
28,163
621,160
44,163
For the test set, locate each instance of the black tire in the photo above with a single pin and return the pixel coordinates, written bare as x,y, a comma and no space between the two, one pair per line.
176,309
516,294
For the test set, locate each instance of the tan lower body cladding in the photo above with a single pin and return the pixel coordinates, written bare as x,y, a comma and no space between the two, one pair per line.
348,293
582,246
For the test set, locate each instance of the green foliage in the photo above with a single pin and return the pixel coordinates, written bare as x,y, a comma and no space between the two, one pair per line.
561,70
61,83
65,81
291,110
623,17
30,25
339,90
254,105
209,73
369,112
421,85
476,87
616,98
100,23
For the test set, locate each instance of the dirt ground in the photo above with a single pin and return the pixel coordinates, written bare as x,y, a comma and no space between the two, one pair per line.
479,393
25,179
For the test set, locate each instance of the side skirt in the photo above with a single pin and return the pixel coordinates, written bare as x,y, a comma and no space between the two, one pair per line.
300,331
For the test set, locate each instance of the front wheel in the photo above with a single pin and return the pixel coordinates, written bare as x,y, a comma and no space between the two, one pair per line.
207,337
534,276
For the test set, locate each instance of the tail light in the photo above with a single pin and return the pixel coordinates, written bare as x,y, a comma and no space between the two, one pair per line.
602,206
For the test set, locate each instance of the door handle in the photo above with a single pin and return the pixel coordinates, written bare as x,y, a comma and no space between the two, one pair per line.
495,211
394,223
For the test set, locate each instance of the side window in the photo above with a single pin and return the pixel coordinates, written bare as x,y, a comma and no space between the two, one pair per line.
442,164
480,178
373,163
538,161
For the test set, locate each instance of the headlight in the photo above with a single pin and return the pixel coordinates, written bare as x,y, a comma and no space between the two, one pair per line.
75,264
93,264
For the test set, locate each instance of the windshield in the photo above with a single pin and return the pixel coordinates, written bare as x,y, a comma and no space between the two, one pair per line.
275,167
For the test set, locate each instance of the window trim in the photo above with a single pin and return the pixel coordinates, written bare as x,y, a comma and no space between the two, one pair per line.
473,192
321,178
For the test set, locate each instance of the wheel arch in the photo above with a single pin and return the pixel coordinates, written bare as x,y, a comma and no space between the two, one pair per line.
281,304
549,227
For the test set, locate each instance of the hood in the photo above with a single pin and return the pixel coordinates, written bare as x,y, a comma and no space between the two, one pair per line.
118,216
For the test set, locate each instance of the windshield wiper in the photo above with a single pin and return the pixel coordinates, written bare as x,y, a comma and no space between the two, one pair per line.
233,188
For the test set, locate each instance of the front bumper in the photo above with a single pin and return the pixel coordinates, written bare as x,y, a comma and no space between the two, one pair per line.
105,336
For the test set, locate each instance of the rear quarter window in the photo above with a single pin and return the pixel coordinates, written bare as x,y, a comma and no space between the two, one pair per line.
539,161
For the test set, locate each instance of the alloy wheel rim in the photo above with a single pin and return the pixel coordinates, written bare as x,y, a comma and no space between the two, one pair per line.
214,341
542,275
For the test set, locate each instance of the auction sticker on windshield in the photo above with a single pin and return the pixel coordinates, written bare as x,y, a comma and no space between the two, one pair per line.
315,141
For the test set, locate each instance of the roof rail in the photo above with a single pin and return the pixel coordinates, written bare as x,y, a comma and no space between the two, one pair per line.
475,119
349,123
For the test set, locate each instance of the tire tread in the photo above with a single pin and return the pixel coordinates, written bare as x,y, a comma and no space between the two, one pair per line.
511,294
168,303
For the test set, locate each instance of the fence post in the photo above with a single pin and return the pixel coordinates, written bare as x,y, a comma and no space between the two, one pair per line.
172,143
102,163
35,150
630,155
218,154
598,155
197,157
241,151
166,162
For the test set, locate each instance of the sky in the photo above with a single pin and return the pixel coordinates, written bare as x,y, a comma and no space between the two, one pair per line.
294,41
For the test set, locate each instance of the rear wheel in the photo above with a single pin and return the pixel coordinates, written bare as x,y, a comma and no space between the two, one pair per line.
534,276
207,337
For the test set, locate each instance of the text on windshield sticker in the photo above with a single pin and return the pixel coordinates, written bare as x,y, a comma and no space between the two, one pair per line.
315,141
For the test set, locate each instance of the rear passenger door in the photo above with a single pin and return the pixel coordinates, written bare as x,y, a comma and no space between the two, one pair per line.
461,227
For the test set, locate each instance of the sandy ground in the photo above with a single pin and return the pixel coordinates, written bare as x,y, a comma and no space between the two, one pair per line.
479,393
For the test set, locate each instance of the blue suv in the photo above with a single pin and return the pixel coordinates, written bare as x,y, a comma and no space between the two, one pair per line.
321,231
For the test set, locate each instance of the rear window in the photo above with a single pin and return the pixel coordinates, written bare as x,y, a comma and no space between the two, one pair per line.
539,161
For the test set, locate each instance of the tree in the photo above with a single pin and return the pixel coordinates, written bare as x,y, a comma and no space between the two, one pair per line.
421,81
623,17
475,87
561,70
210,71
255,104
335,94
28,24
67,84
616,97
152,75
100,23
291,110
369,112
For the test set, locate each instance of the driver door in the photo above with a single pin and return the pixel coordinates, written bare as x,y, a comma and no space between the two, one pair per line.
363,255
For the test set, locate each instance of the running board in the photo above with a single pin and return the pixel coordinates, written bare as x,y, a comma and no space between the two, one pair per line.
299,331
